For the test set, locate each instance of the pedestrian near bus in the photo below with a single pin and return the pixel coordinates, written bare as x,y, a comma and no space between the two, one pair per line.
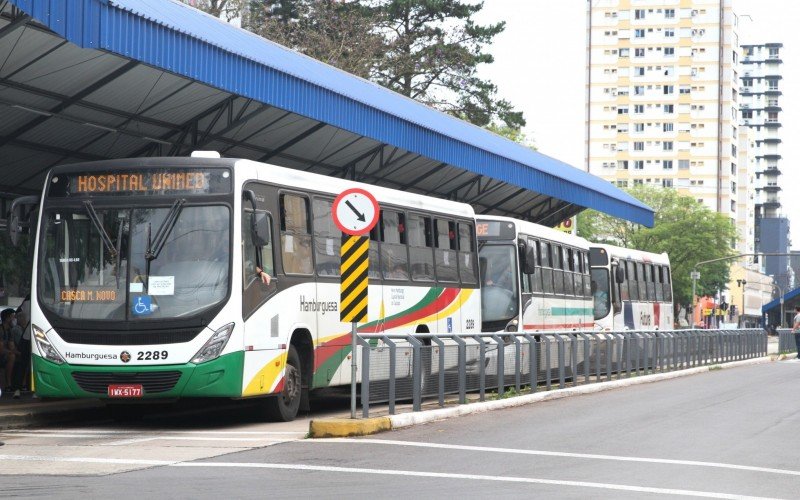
796,329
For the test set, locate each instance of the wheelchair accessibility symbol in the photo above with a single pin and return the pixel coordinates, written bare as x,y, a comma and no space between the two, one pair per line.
142,305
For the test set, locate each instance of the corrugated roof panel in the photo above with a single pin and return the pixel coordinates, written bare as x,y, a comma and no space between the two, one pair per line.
174,37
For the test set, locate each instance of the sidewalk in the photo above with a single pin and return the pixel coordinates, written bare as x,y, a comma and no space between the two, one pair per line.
28,411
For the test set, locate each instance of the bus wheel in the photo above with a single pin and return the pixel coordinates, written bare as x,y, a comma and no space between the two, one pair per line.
284,406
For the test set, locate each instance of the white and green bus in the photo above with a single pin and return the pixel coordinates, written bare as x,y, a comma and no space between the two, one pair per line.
145,287
533,278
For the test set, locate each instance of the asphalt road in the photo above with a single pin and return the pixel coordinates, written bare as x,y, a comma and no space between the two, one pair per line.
723,434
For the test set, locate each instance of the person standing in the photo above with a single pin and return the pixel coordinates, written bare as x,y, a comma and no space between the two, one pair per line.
796,330
8,349
21,334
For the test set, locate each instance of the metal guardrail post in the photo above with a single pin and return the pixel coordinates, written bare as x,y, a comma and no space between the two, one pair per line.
587,364
627,340
573,357
481,366
517,363
657,351
440,343
561,361
534,361
501,365
392,372
462,369
365,353
620,341
547,370
611,344
416,372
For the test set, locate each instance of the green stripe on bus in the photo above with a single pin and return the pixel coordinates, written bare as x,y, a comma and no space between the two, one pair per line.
570,311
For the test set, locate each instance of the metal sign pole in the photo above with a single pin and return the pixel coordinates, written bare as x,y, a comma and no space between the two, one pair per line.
353,369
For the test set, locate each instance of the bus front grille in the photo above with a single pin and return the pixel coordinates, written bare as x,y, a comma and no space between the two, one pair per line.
152,382
142,337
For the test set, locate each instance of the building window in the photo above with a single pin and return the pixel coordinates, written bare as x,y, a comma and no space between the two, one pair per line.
638,146
639,33
669,89
638,90
669,108
669,51
669,13
747,114
638,182
638,127
638,14
638,109
683,164
638,71
622,110
667,164
668,127
638,164
669,33
667,183
668,145
623,164
638,52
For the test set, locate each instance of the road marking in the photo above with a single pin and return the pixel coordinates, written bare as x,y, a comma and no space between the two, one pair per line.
557,454
387,472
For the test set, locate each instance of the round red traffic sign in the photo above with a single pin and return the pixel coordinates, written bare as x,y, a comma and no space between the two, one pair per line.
355,211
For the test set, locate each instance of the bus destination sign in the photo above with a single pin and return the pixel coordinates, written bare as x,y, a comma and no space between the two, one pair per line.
144,181
495,230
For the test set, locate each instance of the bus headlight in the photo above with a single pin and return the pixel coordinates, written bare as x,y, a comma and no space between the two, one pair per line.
213,348
45,347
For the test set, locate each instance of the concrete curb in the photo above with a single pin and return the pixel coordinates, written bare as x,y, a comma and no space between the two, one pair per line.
45,413
347,427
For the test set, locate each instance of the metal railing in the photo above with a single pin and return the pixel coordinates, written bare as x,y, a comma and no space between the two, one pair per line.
410,368
786,343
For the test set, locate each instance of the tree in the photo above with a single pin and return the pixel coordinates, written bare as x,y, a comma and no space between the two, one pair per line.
433,50
337,32
223,9
513,134
686,230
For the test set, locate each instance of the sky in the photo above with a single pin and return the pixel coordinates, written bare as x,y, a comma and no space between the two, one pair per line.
540,67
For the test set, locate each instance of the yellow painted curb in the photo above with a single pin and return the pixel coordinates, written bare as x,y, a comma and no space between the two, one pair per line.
344,427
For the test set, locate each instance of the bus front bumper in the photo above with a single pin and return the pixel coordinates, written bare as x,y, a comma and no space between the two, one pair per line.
221,377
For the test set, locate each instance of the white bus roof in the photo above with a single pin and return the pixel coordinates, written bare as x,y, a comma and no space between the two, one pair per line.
533,229
333,185
632,254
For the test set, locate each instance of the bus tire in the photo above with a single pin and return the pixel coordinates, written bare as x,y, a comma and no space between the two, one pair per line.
284,406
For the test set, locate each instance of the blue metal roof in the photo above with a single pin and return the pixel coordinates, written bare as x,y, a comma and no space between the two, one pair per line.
791,294
168,35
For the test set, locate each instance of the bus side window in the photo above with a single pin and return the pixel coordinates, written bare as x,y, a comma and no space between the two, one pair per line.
641,278
633,281
394,253
623,287
659,279
446,259
667,285
587,278
525,279
558,270
295,235
420,247
547,268
249,250
651,282
536,277
327,239
375,236
466,254
569,271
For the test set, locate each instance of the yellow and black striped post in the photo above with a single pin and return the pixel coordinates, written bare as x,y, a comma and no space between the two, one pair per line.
355,279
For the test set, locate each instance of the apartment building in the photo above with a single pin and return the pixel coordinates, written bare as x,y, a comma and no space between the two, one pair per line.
760,107
662,98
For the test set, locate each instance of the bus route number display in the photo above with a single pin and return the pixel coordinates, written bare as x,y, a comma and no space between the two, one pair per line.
495,230
144,181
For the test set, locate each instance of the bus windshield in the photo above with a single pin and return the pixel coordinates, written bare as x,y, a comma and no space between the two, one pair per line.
83,275
499,290
600,293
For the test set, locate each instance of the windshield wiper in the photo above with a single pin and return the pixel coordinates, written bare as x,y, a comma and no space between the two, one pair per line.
154,247
100,229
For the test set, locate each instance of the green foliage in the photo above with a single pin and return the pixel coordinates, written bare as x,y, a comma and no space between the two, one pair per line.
514,134
686,230
428,50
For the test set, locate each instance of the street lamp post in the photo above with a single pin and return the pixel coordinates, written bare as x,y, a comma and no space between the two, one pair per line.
780,295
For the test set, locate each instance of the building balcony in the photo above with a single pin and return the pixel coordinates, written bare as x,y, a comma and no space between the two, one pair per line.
772,124
771,171
769,188
769,108
768,140
770,156
772,92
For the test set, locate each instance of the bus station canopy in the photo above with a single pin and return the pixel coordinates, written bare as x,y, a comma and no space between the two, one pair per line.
101,79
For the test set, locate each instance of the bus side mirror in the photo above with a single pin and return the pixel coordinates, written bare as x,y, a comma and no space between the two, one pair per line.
619,275
262,235
529,266
20,217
